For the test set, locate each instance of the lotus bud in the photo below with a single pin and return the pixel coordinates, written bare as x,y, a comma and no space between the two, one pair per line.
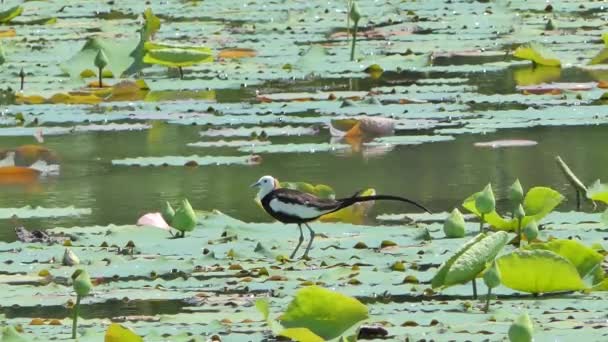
70,258
101,60
531,231
453,227
522,329
355,12
485,201
520,212
516,193
167,212
491,277
185,218
82,282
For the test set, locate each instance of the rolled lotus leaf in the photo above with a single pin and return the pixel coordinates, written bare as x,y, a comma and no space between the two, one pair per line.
82,282
185,218
167,212
177,57
522,329
453,227
485,202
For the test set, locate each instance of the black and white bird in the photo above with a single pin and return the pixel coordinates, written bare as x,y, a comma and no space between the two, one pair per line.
293,206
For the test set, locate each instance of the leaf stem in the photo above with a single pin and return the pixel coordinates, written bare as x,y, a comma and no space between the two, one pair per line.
100,78
181,73
474,289
75,319
519,232
487,308
481,222
352,49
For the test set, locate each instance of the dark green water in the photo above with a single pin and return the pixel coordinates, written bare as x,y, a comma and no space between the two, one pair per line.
440,175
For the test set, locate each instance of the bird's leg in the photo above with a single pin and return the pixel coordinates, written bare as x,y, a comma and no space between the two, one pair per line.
299,242
312,237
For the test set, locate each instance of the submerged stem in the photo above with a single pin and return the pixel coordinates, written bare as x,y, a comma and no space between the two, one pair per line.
474,289
75,318
352,49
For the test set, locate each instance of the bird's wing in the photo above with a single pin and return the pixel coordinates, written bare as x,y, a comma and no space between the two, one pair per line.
291,196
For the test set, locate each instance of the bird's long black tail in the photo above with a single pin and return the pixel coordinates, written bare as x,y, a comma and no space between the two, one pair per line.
345,202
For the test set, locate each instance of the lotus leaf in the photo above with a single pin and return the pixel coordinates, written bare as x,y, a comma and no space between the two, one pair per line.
598,192
175,57
9,334
10,14
325,313
522,329
470,260
538,271
301,335
585,259
532,53
184,218
539,202
119,333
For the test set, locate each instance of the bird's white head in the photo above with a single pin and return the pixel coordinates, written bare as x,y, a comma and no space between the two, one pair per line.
266,184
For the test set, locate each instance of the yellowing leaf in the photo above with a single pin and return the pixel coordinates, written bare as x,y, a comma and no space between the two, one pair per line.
236,53
119,333
325,313
177,57
301,335
582,257
11,32
31,99
538,271
150,46
354,214
532,54
537,74
74,99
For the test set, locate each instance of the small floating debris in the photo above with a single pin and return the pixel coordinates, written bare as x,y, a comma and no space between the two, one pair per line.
506,143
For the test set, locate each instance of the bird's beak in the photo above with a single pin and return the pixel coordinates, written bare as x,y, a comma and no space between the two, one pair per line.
255,185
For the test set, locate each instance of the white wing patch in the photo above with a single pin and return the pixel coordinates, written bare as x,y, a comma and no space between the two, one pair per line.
296,210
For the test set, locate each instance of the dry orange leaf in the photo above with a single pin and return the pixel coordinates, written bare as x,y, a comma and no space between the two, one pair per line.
237,53
18,175
8,33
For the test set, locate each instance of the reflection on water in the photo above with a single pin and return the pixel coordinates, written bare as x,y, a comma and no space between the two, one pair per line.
439,175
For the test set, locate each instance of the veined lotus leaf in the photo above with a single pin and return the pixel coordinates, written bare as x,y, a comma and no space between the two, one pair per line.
119,333
439,278
326,313
10,14
582,257
538,271
177,57
301,335
532,53
598,192
475,259
539,202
